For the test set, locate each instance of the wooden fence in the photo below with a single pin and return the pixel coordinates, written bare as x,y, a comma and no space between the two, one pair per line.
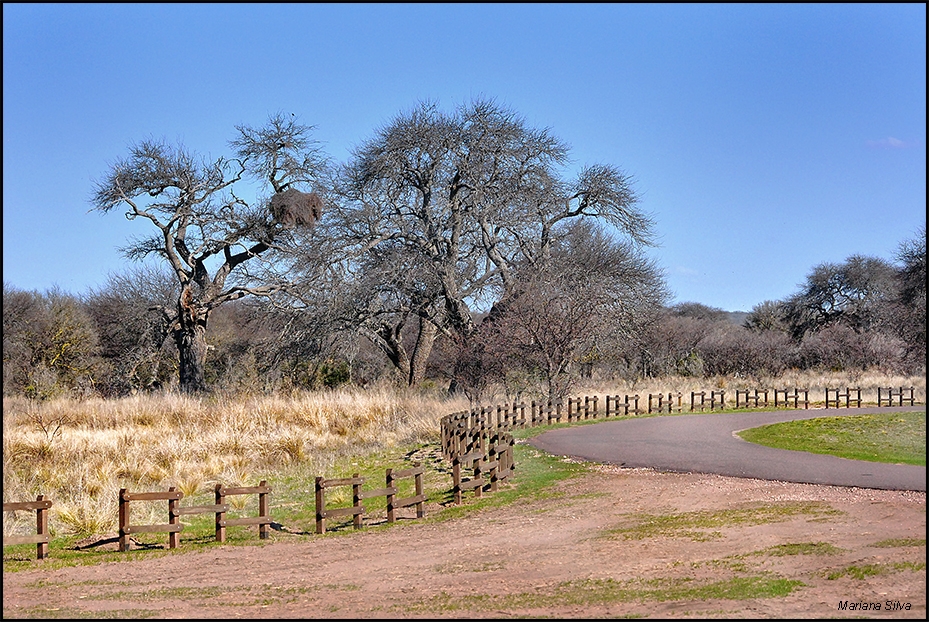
41,506
174,527
357,509
900,394
850,395
465,432
489,468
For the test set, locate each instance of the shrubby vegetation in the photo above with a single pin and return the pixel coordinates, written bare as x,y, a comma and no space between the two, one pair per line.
554,331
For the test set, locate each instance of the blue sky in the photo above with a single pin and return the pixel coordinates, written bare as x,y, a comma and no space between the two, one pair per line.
765,139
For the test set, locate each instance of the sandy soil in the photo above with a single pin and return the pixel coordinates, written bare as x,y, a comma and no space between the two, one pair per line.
550,557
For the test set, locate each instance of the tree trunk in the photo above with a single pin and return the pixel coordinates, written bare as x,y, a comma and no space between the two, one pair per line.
424,342
191,348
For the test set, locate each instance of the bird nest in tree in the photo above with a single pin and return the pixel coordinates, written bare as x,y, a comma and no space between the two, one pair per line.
293,208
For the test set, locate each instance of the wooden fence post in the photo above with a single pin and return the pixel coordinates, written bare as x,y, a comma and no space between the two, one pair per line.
456,479
264,511
173,519
390,495
220,500
356,500
41,537
320,506
123,521
418,491
41,529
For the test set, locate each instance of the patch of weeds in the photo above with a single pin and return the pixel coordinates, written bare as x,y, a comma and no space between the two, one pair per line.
605,591
799,548
731,563
76,614
341,587
166,593
900,542
873,570
459,568
691,524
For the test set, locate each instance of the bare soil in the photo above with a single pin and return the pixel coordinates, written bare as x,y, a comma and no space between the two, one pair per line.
559,556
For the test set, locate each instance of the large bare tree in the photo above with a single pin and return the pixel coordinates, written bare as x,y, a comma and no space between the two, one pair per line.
461,198
214,239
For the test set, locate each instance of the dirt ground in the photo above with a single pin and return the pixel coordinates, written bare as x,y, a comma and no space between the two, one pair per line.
562,556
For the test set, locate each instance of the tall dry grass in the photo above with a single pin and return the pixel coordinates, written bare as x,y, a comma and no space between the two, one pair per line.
80,453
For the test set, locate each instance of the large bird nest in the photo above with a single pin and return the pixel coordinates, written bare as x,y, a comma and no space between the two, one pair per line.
293,208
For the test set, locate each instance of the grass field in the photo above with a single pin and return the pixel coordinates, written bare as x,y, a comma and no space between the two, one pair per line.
80,453
898,438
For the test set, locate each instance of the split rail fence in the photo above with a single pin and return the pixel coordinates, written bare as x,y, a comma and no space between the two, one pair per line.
41,538
174,527
357,509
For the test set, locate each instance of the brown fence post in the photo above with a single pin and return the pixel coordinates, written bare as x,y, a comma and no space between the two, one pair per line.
356,500
418,491
391,495
123,521
264,512
456,479
320,506
220,499
492,462
41,529
478,492
173,519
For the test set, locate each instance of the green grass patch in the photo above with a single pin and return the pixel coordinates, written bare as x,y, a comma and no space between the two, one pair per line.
607,591
67,613
799,548
871,570
900,542
694,525
893,437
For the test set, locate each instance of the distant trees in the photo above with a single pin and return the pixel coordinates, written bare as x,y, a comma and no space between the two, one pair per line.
911,300
855,293
860,313
133,331
50,345
208,234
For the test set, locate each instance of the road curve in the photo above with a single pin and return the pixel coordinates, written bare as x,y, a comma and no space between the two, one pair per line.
706,443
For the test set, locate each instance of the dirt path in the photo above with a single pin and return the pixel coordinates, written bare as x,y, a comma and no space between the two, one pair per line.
554,556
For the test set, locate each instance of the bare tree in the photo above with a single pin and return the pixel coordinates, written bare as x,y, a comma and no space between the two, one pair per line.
208,234
911,302
767,316
133,331
462,199
855,293
591,292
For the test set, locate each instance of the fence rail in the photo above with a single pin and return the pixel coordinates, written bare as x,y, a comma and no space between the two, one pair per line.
466,431
357,509
900,394
41,538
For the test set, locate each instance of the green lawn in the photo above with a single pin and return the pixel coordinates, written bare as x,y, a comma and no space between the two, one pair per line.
897,437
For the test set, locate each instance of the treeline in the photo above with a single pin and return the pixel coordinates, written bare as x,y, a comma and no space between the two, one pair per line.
861,314
456,247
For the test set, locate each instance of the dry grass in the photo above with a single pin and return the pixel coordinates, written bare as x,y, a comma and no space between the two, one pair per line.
80,453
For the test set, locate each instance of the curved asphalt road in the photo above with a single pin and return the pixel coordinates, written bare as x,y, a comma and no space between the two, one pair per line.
706,443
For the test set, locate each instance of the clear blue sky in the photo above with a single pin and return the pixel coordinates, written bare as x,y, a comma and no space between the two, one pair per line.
764,138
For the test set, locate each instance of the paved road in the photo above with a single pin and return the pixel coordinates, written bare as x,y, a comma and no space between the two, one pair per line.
706,443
